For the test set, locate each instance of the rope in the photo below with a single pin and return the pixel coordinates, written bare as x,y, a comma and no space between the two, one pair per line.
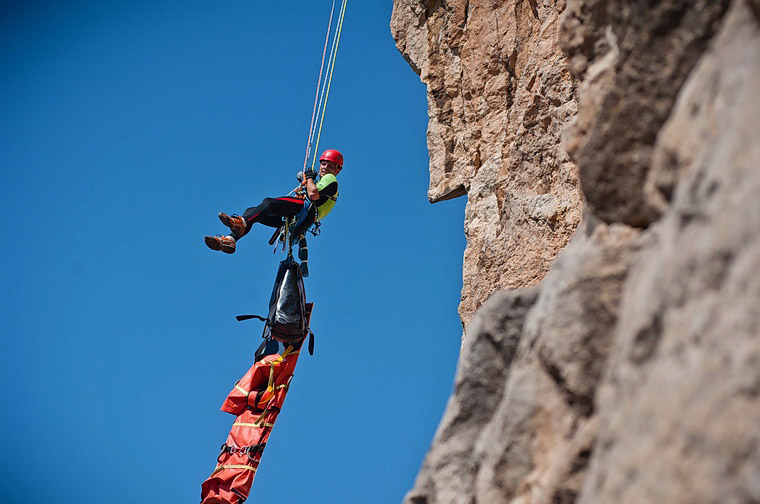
336,42
316,93
330,62
320,98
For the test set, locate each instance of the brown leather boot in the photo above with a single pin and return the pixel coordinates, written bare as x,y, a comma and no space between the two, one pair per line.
224,243
236,223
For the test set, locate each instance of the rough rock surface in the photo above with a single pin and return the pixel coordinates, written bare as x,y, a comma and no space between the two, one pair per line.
499,93
631,374
484,364
680,406
632,58
534,409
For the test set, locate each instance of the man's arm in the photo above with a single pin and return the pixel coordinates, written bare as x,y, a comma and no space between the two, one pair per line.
307,182
327,187
311,189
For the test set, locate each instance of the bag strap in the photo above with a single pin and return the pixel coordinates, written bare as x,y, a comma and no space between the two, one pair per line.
240,318
311,342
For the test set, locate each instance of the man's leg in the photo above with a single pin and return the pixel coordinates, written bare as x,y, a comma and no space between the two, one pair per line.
270,213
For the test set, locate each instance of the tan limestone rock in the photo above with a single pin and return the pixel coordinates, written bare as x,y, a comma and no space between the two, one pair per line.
499,92
632,373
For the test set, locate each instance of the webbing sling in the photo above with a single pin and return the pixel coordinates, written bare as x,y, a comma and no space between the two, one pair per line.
233,466
270,383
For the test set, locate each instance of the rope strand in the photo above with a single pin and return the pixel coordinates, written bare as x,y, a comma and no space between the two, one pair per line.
330,62
316,94
338,32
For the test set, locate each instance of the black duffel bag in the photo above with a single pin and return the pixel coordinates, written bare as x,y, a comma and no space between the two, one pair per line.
287,306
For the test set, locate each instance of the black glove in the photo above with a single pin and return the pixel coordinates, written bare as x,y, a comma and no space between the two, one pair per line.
310,174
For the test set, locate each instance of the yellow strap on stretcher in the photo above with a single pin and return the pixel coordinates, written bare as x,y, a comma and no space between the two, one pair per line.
233,466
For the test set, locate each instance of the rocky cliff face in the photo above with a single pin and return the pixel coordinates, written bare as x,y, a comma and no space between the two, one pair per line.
626,370
499,93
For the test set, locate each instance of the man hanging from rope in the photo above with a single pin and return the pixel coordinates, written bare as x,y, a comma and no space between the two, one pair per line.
320,198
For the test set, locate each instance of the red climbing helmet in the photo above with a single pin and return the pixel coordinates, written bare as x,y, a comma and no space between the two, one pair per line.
332,155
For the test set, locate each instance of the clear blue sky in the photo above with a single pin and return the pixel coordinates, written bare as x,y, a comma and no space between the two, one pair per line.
124,128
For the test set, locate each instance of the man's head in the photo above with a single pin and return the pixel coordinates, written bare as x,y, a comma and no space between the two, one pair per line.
331,161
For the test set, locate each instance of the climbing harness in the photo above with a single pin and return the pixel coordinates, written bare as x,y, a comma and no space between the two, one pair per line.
293,231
